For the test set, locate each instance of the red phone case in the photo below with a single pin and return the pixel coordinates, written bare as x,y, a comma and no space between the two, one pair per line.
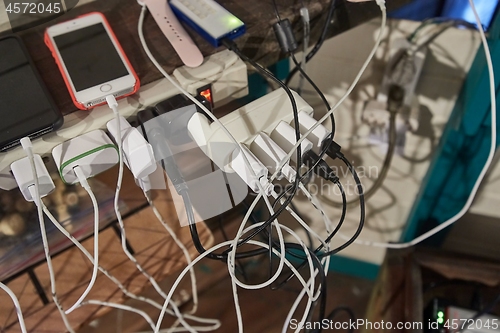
79,105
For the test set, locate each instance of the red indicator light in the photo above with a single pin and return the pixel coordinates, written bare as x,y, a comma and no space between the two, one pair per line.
207,93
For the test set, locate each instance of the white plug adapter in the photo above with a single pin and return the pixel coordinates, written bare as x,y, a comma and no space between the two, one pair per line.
284,136
21,169
241,168
138,153
153,181
318,135
214,143
93,152
271,154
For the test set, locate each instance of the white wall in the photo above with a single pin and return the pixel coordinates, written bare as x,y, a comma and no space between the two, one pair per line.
333,69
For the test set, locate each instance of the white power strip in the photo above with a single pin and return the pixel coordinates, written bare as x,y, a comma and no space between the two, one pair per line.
261,115
81,122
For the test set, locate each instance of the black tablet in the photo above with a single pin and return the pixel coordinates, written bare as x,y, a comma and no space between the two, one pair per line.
26,108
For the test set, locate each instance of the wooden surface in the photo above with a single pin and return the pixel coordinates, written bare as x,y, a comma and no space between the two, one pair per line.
259,42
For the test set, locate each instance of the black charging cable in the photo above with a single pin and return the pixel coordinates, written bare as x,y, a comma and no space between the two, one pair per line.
334,232
233,47
175,176
319,43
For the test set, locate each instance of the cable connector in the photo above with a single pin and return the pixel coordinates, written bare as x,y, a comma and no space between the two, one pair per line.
321,168
284,34
157,137
381,4
318,135
304,13
230,44
271,154
138,153
93,152
284,136
333,148
112,103
26,143
82,178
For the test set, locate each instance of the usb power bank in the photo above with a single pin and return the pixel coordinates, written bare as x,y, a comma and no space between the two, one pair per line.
209,19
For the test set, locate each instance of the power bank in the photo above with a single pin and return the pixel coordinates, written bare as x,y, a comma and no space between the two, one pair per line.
209,19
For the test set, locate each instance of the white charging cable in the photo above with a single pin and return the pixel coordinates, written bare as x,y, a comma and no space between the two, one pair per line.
482,174
173,235
325,261
212,249
17,305
122,307
138,155
84,183
113,104
308,287
35,193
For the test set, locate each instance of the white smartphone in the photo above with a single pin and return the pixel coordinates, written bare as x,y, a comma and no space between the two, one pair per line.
91,60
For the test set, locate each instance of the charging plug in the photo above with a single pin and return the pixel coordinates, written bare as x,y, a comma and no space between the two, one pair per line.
21,170
271,154
304,13
242,169
92,152
380,3
215,144
284,136
153,181
319,166
138,153
318,135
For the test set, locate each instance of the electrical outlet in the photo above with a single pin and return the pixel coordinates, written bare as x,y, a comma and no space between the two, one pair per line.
376,115
403,70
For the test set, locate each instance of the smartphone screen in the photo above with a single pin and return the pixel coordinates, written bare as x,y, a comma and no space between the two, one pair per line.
25,106
90,57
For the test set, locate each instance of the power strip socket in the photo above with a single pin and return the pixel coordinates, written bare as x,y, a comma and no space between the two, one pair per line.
403,71
261,115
